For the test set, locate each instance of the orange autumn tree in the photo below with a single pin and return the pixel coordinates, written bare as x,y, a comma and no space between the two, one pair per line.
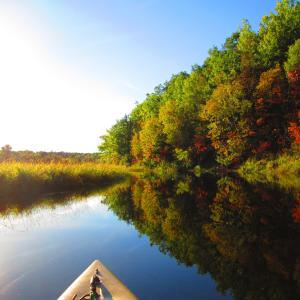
228,128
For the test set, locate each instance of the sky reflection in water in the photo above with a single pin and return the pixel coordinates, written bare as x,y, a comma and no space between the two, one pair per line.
44,249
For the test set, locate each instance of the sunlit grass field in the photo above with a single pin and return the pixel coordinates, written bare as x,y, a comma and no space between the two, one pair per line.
34,178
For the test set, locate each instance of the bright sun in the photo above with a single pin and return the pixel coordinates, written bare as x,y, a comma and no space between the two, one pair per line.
46,104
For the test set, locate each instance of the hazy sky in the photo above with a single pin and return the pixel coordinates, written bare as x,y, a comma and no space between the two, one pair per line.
69,69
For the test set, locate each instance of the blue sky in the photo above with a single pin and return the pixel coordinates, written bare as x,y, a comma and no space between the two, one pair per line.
71,68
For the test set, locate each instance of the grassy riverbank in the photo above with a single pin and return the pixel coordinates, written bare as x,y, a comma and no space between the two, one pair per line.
35,178
283,171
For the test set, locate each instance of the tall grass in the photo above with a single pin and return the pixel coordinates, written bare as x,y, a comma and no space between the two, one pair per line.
34,178
283,171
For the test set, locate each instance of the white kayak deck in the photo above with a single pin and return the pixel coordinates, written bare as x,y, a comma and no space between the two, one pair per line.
112,287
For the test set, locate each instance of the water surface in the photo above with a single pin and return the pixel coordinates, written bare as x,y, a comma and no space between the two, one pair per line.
187,239
45,247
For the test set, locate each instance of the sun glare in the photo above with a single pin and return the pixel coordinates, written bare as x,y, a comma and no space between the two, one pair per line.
45,103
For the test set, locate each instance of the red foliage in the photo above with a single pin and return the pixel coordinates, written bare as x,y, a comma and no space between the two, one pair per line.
265,196
157,159
260,121
263,146
296,212
277,99
264,220
281,141
294,76
201,198
270,114
294,131
164,152
201,194
260,101
235,161
199,144
294,80
252,133
231,135
259,104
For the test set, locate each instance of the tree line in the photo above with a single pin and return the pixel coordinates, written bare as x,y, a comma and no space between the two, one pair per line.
242,102
8,155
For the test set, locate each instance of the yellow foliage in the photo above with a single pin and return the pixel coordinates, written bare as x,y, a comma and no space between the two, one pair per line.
149,136
267,80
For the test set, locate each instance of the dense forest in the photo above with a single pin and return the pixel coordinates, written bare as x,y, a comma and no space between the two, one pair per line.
242,103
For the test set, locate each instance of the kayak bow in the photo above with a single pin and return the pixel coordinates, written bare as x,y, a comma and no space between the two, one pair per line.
111,286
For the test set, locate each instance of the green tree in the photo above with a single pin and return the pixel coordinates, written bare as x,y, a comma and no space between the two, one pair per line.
278,31
250,65
147,109
195,88
223,65
293,59
116,143
174,88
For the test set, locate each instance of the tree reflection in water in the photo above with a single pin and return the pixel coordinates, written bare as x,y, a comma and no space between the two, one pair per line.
246,237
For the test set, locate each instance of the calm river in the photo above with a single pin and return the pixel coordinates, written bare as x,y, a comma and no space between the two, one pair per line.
204,239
